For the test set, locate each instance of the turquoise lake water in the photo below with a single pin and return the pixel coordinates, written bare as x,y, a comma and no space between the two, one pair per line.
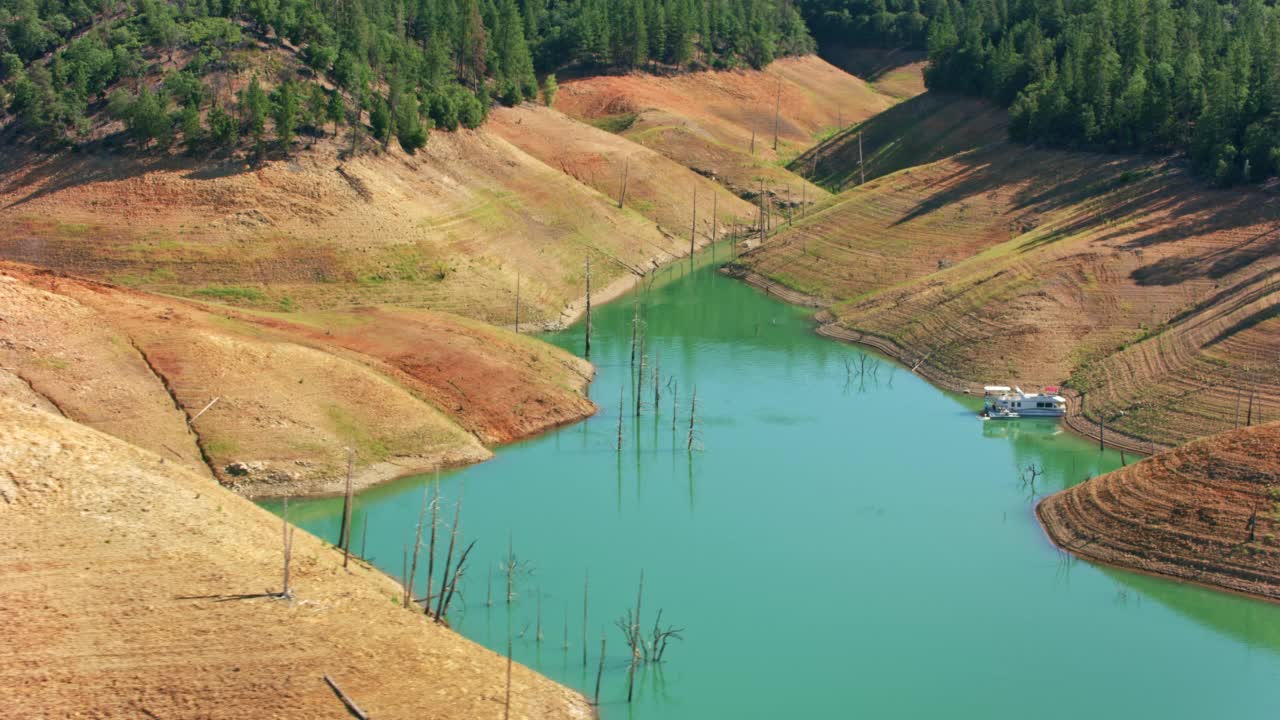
835,547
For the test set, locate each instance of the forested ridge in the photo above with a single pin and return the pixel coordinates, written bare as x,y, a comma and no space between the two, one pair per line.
1161,76
1200,77
388,68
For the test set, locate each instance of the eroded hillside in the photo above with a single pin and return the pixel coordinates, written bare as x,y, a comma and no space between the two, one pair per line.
1205,512
1126,276
404,389
181,623
453,228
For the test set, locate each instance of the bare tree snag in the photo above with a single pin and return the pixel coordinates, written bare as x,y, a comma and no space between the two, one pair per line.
346,700
693,414
344,536
599,670
448,558
417,548
285,592
586,589
431,547
693,226
777,115
626,175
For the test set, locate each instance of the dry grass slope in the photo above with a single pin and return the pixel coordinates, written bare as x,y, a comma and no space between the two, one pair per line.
134,587
406,389
706,120
658,188
922,130
449,229
1154,295
1185,513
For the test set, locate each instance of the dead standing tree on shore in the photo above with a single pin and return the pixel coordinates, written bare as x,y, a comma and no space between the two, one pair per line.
348,499
285,592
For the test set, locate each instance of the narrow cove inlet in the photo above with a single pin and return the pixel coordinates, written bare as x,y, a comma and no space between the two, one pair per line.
844,540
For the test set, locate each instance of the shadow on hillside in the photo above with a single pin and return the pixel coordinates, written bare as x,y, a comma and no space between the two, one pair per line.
31,174
1036,181
918,131
870,64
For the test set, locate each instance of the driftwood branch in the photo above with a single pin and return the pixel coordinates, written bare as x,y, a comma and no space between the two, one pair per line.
346,700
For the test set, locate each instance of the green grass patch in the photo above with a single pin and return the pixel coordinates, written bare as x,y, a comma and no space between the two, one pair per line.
368,447
229,292
158,276
221,447
616,124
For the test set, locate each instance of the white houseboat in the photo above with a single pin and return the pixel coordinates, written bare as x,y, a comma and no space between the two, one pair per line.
1010,402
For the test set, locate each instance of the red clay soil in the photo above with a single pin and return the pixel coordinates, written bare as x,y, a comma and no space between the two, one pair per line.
134,588
407,390
1207,512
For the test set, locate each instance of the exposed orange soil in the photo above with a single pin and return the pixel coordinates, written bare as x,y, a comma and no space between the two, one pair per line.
656,186
1150,292
705,120
498,385
406,389
449,229
121,596
922,130
1185,513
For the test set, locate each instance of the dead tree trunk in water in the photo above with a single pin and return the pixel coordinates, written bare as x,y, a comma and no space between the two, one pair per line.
693,415
657,377
599,671
635,327
675,405
640,384
431,545
448,557
417,548
587,350
621,410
